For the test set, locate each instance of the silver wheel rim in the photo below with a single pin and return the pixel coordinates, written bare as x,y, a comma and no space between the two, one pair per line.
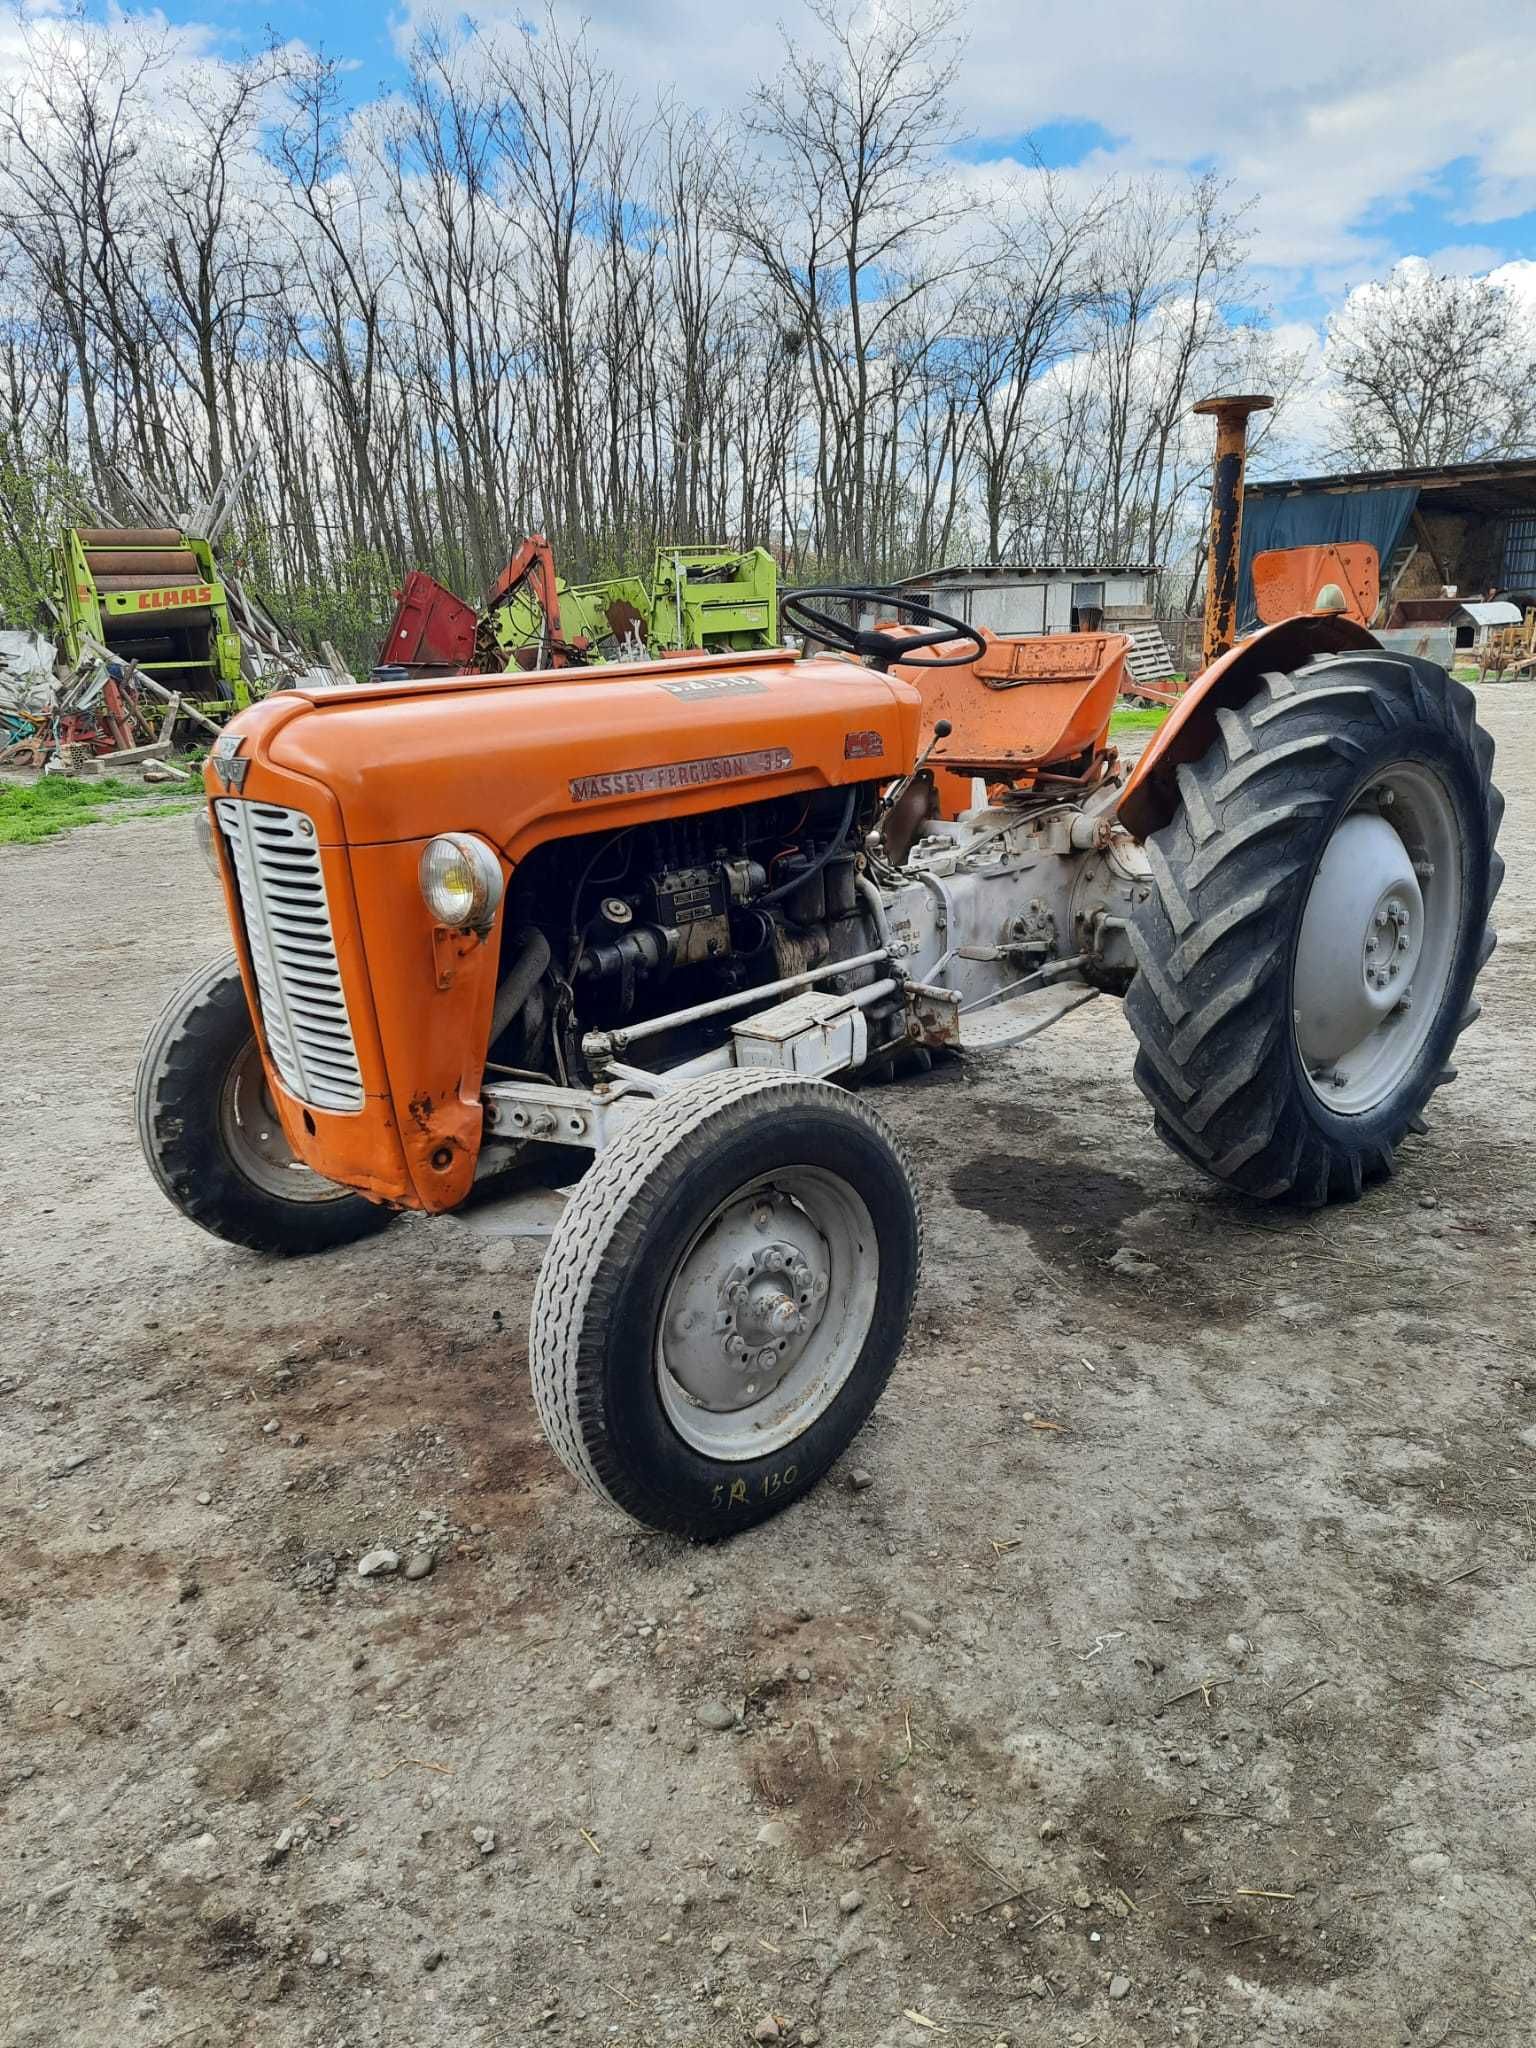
253,1137
1378,939
766,1313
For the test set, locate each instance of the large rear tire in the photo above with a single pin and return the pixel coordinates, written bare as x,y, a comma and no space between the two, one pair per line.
213,1140
723,1300
1317,920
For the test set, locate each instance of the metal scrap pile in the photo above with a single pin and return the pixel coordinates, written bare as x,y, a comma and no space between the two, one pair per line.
65,722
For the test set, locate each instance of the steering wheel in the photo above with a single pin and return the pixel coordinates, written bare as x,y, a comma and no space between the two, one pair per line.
884,650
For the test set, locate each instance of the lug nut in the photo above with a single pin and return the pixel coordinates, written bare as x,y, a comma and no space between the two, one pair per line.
1381,920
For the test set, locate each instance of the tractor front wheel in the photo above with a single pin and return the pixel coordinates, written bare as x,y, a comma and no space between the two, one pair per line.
213,1140
1316,922
723,1300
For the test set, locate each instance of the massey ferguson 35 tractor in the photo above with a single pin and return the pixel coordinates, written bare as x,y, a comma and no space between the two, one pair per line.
646,918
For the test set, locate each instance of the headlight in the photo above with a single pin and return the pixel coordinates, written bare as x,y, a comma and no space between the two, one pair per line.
202,825
461,880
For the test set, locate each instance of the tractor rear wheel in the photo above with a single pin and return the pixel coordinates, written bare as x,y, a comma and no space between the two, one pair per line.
723,1300
212,1138
1317,919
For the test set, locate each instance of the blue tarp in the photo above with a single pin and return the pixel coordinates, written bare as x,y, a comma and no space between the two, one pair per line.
1306,519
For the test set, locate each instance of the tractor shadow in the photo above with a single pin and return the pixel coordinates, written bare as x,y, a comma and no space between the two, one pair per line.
1070,1208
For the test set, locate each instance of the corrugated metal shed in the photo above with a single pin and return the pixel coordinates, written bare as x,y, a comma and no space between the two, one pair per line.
1025,597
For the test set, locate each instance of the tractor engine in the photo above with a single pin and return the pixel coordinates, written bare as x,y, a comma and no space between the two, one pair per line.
662,916
616,928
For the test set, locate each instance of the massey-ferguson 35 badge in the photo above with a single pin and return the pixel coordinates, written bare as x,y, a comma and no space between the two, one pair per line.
680,774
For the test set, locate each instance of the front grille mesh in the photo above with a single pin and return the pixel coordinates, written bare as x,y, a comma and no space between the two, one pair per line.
293,952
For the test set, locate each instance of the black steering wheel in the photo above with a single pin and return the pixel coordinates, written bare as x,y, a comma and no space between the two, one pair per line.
884,650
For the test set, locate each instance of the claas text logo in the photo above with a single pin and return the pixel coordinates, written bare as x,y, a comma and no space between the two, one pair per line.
186,593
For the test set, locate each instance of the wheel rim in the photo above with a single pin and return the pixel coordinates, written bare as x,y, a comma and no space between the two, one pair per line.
1378,939
766,1313
253,1136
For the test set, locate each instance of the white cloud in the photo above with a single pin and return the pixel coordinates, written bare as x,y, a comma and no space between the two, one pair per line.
1327,112
1519,280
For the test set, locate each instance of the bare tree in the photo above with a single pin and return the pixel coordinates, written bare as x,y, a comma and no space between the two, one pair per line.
513,295
1430,370
1019,319
843,211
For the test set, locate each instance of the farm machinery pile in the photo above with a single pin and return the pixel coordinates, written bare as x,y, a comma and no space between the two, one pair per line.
149,629
645,927
711,600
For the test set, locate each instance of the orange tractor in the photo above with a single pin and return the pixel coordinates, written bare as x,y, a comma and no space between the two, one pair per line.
645,919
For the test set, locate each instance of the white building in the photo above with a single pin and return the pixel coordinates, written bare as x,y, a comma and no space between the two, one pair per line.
1010,598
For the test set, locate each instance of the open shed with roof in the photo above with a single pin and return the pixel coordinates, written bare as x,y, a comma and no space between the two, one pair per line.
1464,532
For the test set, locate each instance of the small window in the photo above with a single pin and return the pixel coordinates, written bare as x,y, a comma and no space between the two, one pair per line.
1088,597
1520,552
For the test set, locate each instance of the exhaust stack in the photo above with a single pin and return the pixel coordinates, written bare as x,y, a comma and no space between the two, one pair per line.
1231,416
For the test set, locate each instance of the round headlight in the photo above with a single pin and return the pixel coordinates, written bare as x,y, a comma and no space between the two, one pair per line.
461,880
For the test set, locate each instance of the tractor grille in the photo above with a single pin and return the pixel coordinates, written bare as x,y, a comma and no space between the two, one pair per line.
293,952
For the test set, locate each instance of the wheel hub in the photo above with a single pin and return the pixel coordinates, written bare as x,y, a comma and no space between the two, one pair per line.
1361,938
253,1135
734,1335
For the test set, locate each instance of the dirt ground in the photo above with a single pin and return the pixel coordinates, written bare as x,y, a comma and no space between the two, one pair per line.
1170,1681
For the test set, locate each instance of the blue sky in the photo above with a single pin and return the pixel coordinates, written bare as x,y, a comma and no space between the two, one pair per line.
1366,132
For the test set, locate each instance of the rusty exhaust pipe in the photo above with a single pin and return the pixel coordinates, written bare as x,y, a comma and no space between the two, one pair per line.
1231,415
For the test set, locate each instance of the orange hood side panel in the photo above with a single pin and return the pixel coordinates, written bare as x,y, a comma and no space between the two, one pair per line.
434,991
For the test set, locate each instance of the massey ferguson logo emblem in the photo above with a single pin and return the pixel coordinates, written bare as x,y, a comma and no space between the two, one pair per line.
227,761
157,600
586,789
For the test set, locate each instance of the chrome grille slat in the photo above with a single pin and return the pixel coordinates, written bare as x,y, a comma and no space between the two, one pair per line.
293,952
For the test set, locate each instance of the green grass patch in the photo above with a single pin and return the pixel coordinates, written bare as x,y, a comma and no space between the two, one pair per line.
1137,718
54,803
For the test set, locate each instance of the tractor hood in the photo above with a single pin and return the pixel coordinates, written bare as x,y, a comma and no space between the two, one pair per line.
522,758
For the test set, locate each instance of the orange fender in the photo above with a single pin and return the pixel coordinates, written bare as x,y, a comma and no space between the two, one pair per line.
1151,796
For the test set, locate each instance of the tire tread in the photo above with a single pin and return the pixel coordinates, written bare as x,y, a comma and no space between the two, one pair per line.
1214,930
608,1210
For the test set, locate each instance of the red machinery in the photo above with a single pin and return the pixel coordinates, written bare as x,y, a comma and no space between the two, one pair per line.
436,633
